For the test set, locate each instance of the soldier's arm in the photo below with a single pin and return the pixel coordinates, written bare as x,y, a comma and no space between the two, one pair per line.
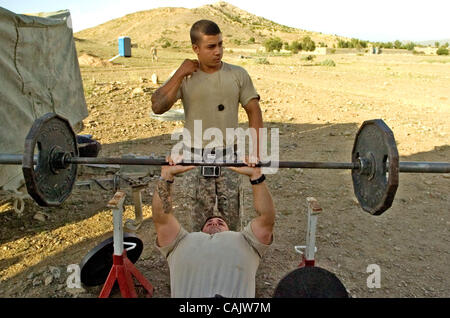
262,225
166,224
255,121
165,96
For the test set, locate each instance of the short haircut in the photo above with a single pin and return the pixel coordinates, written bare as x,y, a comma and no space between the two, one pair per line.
206,27
213,217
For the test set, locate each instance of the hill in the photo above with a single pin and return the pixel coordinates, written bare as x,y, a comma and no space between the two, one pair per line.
171,25
432,42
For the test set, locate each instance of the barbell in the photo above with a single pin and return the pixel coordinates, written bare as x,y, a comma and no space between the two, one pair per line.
51,173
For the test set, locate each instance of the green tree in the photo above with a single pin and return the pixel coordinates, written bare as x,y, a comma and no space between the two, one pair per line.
442,51
308,44
409,46
342,44
295,47
355,43
436,44
273,44
166,44
397,44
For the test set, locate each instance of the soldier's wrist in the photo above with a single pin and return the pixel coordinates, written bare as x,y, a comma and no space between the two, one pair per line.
168,177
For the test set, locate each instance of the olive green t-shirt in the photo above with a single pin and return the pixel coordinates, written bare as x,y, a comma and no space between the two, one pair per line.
204,265
214,99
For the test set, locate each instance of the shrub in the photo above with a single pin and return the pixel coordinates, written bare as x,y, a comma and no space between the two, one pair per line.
251,40
273,44
165,44
328,63
237,41
342,44
442,51
262,60
295,47
397,44
409,46
308,44
308,58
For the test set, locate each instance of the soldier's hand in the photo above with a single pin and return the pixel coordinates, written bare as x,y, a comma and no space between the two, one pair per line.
188,67
250,171
168,172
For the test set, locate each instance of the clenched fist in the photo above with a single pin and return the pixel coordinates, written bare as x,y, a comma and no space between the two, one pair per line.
188,67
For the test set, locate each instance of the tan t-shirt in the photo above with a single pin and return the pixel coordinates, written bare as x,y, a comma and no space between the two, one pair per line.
204,265
214,98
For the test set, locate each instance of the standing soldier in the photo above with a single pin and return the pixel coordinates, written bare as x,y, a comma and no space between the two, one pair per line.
154,54
211,91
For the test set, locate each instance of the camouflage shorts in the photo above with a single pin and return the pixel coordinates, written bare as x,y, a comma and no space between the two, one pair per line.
202,194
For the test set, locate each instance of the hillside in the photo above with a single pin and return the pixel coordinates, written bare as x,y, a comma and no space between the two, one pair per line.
432,42
155,27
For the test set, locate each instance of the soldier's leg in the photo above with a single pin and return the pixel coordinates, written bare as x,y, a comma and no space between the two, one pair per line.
187,193
228,187
205,200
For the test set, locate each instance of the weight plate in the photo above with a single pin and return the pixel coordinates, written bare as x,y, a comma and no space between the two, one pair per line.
310,282
376,190
96,265
46,185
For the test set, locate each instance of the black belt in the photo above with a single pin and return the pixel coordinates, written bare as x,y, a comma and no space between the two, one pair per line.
213,151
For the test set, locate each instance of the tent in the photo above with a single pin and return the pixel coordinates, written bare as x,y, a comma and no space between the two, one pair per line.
39,73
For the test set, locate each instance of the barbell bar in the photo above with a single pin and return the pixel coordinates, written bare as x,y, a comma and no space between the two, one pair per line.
404,166
50,175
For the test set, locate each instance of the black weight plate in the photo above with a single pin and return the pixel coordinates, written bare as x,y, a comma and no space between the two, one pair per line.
310,282
45,185
376,141
96,265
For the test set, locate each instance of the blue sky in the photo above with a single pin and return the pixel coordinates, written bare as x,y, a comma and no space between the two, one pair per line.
376,20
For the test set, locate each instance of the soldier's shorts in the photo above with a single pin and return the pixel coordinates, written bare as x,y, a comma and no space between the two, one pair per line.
202,193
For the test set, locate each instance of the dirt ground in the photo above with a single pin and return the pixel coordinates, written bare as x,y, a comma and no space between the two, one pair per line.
318,110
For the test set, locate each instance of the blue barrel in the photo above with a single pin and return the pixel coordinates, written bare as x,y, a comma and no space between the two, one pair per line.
125,46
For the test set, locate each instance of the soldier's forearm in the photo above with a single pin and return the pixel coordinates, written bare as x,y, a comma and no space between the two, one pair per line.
164,97
161,102
164,193
263,203
255,121
162,201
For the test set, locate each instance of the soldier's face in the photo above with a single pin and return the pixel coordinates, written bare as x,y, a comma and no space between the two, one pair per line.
215,225
209,50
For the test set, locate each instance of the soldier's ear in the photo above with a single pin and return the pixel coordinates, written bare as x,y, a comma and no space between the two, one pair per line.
195,48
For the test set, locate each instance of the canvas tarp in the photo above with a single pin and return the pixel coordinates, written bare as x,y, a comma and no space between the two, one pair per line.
39,73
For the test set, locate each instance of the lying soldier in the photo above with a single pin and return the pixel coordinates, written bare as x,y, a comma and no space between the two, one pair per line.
215,262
